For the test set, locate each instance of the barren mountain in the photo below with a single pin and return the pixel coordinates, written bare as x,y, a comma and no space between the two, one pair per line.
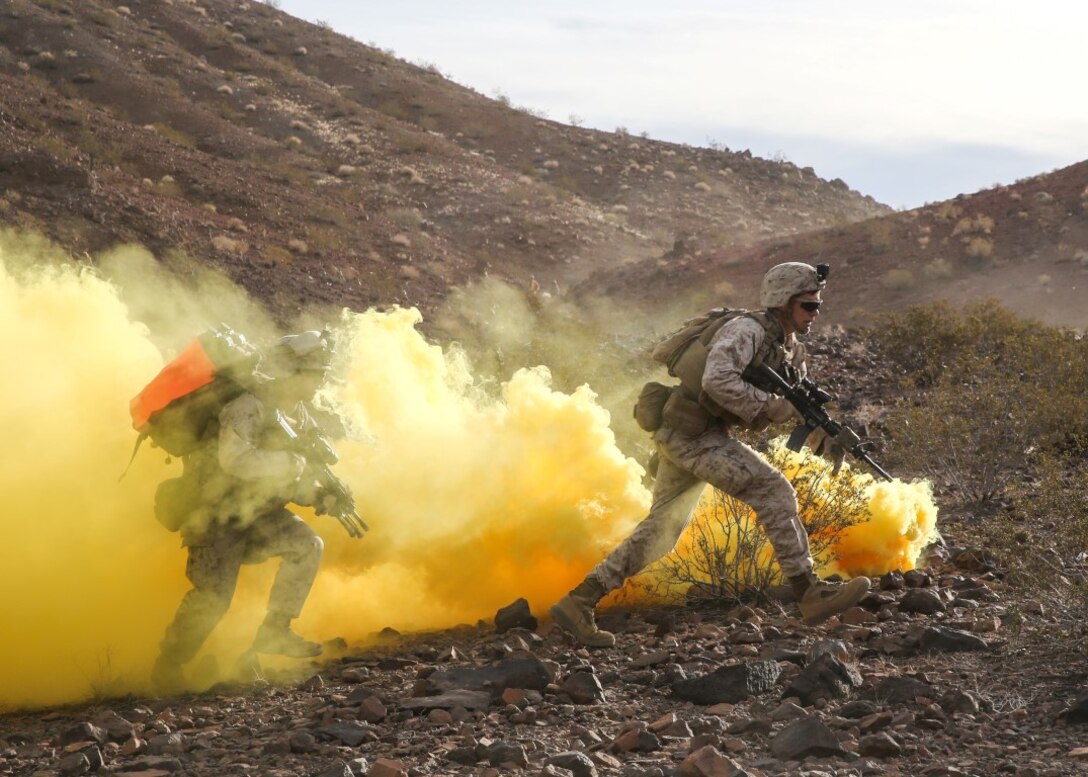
1025,244
314,168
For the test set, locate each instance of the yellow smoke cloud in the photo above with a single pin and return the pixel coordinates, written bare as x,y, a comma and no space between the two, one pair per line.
474,500
903,522
87,575
475,495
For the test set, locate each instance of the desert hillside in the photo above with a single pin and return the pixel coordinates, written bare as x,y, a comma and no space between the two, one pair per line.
314,168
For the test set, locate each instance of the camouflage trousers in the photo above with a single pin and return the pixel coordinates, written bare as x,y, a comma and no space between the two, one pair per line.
687,464
213,568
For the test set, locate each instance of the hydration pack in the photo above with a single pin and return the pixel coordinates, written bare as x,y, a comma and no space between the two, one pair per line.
684,351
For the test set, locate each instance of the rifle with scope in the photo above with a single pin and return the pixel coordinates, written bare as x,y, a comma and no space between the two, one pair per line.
319,456
809,400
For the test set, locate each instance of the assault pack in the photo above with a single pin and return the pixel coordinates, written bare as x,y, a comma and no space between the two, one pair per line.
684,352
179,409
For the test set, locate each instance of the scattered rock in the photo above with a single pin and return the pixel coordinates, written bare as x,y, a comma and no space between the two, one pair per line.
729,683
824,679
806,737
941,638
516,615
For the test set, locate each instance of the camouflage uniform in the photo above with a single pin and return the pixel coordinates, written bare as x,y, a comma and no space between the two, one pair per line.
714,457
240,488
694,447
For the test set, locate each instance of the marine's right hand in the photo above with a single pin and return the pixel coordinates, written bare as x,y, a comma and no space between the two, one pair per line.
779,410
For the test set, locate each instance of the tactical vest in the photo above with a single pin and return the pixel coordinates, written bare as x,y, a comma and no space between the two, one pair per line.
685,353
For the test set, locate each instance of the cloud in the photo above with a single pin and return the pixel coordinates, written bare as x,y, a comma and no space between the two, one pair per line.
926,74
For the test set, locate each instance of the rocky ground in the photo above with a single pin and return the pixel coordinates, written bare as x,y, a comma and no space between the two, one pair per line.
946,671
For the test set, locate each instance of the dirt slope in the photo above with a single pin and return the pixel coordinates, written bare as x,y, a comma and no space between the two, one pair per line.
1025,244
314,168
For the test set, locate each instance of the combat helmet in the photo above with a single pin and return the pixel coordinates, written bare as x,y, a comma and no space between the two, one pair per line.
785,281
311,350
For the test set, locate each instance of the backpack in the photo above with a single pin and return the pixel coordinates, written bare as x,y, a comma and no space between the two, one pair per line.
178,408
685,351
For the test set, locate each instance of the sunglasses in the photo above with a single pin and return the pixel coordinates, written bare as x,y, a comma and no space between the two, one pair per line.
810,305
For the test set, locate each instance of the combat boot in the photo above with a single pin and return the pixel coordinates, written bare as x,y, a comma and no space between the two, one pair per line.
167,677
574,612
275,637
823,599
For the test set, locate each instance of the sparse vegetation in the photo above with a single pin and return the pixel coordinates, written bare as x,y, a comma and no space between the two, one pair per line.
175,135
938,269
229,245
897,279
981,411
730,559
980,248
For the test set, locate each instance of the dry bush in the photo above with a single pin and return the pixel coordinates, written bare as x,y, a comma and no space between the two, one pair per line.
991,393
1042,540
729,558
879,233
176,135
405,218
897,279
980,248
229,245
938,269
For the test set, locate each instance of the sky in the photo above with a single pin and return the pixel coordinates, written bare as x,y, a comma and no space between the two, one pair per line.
909,102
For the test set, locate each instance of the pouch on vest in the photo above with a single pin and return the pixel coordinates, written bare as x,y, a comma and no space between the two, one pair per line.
650,404
174,503
685,415
685,353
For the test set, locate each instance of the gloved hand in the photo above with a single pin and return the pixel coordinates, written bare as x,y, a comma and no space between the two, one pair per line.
326,503
827,447
779,410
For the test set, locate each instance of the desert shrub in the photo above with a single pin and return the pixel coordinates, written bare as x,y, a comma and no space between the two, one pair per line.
394,109
54,146
897,279
405,218
176,135
168,187
725,555
979,248
879,233
101,148
1042,540
989,393
229,245
938,269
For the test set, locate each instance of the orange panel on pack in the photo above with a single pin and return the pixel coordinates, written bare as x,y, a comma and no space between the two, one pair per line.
191,370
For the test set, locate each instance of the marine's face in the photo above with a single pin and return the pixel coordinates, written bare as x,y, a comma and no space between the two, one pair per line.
802,311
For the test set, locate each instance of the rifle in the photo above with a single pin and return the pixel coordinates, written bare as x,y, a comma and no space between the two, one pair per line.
809,400
319,455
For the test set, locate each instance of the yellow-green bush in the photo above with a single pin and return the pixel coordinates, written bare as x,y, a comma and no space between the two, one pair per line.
989,393
729,558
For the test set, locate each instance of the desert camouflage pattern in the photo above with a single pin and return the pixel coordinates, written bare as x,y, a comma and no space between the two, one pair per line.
787,280
242,425
687,463
213,568
241,487
732,349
